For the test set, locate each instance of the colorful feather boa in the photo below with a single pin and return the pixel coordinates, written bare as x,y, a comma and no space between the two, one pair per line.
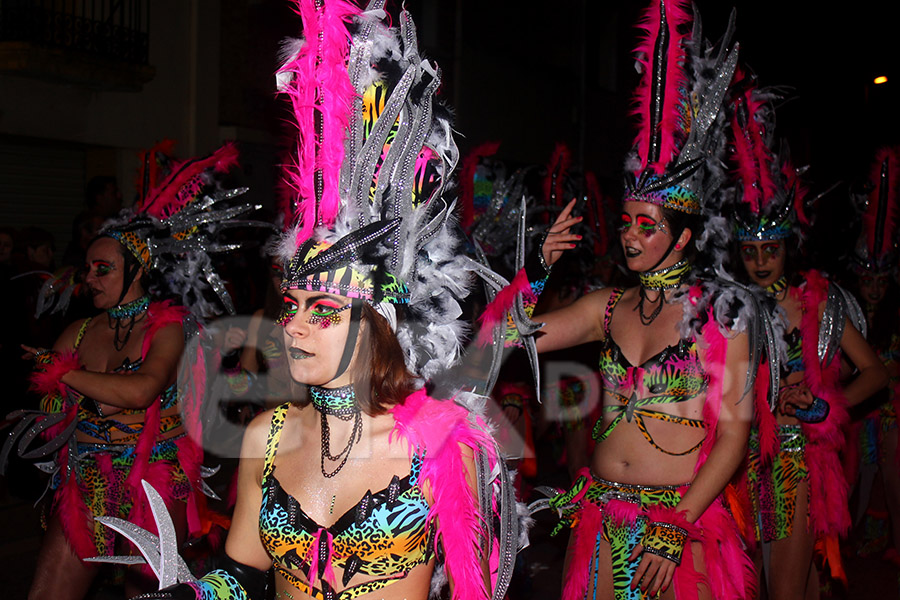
443,431
829,515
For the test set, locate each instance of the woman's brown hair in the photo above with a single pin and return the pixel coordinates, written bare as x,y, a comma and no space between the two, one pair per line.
382,365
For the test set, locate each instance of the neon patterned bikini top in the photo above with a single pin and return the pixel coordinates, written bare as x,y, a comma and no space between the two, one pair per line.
673,375
794,362
384,536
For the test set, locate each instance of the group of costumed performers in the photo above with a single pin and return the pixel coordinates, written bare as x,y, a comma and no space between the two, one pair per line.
678,352
371,488
114,410
796,485
873,455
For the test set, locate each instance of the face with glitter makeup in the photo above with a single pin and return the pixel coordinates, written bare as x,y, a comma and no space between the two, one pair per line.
104,274
645,237
764,261
316,327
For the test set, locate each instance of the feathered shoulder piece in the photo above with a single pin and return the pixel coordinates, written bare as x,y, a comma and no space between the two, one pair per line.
677,104
879,201
370,216
767,191
737,308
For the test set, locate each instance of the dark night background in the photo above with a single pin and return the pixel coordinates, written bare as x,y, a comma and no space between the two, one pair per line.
530,75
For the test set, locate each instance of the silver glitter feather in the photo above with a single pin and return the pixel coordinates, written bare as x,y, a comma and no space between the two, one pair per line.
160,553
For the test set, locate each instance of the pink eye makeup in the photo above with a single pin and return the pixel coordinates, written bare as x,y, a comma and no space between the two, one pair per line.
289,308
326,314
645,224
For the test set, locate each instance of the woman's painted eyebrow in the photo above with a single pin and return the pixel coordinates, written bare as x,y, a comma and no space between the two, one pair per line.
101,263
313,300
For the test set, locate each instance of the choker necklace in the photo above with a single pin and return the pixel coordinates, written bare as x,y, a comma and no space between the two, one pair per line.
118,315
341,403
660,281
666,279
778,287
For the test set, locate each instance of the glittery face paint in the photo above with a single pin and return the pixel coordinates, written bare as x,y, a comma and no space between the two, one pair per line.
289,308
100,268
325,314
645,225
104,272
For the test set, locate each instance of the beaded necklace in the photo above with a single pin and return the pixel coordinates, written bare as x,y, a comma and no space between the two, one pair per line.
341,403
128,312
664,279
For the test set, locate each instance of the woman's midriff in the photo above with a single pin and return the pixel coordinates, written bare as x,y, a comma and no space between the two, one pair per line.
170,421
626,456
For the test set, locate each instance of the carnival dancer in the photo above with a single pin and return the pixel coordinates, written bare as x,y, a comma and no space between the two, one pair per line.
797,487
649,515
873,261
365,489
112,414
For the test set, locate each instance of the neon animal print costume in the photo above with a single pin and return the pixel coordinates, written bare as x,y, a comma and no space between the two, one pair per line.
676,165
97,461
769,198
368,220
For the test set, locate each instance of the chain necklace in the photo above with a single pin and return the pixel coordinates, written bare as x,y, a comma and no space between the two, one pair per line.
341,403
119,315
664,279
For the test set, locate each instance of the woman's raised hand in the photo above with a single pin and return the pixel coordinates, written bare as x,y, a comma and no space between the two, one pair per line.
558,238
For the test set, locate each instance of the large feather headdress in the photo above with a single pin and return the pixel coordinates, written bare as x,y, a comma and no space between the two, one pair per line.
677,105
768,191
176,224
877,248
174,227
371,161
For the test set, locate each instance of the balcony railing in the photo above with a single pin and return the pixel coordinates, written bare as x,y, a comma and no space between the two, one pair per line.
112,29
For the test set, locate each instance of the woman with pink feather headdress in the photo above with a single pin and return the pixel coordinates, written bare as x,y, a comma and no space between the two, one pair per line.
797,490
368,488
114,411
650,516
872,452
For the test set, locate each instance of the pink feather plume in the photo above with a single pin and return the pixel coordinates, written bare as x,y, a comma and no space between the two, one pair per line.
754,161
495,312
185,182
584,539
47,380
675,118
74,516
827,487
319,85
441,428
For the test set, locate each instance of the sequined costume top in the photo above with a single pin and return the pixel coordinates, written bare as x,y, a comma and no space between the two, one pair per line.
673,375
383,537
